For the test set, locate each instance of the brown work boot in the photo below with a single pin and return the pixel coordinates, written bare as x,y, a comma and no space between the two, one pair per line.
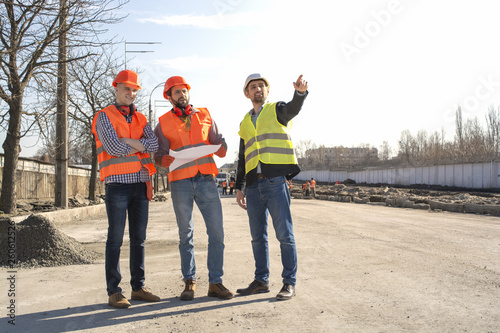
119,301
189,289
218,290
254,288
144,295
286,293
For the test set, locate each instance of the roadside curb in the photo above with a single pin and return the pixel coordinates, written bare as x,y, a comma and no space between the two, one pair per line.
64,215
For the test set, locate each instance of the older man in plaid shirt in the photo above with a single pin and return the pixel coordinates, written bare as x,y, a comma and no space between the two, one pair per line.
124,140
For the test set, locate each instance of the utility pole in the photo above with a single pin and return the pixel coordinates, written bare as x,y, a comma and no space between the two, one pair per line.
61,190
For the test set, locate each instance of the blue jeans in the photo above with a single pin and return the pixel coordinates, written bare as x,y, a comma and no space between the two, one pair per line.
271,196
120,199
202,190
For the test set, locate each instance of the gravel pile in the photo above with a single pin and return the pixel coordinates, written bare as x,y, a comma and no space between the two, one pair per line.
39,243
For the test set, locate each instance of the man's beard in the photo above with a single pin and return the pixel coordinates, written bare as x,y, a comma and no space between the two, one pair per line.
180,104
259,99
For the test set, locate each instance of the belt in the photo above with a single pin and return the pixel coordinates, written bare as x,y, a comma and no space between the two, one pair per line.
260,175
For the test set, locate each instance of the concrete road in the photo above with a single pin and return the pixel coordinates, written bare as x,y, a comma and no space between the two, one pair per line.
362,268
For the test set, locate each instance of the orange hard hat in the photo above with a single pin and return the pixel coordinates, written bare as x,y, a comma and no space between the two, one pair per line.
175,81
129,77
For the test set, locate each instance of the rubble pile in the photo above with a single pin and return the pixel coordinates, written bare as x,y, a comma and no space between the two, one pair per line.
40,243
470,202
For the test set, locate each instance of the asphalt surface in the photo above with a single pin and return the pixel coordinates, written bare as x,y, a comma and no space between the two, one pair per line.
362,268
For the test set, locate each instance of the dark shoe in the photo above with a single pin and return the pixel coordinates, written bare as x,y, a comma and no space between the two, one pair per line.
189,289
254,288
287,292
119,301
218,290
144,295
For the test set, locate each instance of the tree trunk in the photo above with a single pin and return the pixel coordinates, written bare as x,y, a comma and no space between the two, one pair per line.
11,150
93,172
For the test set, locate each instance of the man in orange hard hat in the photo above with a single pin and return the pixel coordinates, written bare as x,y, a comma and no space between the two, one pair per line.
124,141
181,128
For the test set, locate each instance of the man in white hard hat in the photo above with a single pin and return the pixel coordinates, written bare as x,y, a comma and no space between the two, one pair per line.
266,159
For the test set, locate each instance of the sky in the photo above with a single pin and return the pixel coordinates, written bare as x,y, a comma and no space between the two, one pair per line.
375,67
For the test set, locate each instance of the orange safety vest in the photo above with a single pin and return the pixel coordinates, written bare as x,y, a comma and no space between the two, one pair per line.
313,183
224,184
117,165
174,129
231,184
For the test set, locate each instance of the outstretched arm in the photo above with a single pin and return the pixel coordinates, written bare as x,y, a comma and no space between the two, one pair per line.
287,111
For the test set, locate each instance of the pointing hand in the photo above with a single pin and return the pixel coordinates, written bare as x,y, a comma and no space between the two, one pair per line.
300,85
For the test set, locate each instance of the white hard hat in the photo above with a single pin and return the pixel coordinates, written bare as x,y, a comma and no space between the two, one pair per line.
253,77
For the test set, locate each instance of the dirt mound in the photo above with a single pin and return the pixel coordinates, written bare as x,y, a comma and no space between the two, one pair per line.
40,243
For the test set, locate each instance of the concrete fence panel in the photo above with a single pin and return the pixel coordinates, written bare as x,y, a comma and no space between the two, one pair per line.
468,175
36,180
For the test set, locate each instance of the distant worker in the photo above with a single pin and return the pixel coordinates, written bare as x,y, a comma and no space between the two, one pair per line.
307,187
181,128
124,140
231,186
266,160
313,188
224,187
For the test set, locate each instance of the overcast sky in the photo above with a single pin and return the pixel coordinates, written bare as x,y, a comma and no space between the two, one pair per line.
374,67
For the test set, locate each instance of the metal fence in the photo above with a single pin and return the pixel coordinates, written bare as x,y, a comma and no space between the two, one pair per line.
36,180
469,175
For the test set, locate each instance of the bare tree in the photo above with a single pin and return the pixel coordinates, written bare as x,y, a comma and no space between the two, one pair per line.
385,151
405,146
421,145
90,92
459,134
493,132
474,142
29,32
303,146
435,148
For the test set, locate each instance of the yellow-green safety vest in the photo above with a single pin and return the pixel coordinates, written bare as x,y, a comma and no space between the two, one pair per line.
268,141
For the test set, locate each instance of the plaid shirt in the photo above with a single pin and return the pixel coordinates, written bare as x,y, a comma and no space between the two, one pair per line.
113,146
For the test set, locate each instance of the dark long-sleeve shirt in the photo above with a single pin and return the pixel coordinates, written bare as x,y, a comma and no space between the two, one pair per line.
285,112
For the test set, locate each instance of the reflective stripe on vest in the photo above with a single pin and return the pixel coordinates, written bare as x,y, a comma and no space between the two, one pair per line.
174,129
119,165
268,141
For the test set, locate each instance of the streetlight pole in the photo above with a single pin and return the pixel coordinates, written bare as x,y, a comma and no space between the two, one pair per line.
151,94
155,182
137,51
